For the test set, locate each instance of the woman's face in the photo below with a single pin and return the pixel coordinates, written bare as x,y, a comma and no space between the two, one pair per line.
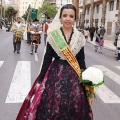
68,18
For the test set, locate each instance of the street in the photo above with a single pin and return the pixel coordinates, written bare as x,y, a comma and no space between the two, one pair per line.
18,72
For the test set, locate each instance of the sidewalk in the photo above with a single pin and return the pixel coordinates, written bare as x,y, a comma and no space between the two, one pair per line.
108,44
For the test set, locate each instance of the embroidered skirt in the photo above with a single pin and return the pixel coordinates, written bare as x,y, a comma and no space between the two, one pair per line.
64,98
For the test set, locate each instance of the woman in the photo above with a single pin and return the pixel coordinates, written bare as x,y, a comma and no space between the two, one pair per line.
63,98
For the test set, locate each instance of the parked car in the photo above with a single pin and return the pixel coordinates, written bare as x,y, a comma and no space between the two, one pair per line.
8,27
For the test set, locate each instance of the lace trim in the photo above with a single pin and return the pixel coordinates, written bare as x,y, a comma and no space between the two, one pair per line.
77,42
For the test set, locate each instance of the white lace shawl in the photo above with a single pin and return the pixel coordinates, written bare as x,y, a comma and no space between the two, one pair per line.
77,42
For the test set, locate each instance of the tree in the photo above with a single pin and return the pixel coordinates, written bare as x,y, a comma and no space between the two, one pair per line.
76,4
27,14
83,15
47,9
10,13
92,13
103,12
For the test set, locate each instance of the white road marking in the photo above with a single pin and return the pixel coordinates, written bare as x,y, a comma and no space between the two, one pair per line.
36,57
107,95
1,62
104,93
21,83
118,67
115,77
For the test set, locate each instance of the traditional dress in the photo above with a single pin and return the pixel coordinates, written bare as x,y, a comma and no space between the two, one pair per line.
35,38
18,30
60,95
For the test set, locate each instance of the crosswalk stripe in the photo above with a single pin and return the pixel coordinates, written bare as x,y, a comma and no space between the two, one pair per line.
36,57
1,62
115,77
21,83
118,67
107,95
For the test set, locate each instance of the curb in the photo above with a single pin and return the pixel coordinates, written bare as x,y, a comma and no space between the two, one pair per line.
104,47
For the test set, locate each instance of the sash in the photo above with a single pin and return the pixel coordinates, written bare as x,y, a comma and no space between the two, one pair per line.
65,50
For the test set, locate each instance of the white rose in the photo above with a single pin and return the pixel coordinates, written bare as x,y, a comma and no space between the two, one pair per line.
93,74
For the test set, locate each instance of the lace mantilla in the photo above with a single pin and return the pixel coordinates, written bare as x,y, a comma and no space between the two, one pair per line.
77,42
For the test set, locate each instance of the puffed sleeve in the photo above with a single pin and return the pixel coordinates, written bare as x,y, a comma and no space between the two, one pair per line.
81,58
46,62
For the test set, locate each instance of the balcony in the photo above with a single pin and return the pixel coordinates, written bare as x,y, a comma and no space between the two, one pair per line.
52,1
88,2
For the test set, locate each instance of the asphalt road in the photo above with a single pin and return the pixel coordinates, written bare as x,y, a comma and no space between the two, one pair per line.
106,106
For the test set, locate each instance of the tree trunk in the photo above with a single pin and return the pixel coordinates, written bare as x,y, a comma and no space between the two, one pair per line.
83,15
119,15
92,13
103,12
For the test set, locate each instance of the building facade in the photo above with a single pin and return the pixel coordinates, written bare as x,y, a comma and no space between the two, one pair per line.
60,2
23,5
111,15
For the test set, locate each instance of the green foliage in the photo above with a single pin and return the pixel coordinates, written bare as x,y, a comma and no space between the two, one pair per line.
10,13
27,15
49,10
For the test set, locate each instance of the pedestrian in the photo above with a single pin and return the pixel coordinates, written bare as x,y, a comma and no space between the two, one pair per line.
35,31
96,28
18,29
98,31
118,44
86,33
63,97
100,45
91,30
102,31
45,28
97,42
28,32
115,44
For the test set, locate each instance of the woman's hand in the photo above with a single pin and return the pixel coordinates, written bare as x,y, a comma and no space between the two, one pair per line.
37,86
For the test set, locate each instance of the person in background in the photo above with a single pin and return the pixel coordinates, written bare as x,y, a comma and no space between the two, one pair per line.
97,42
118,44
45,28
86,33
35,31
98,31
91,30
28,32
100,46
18,29
102,31
96,28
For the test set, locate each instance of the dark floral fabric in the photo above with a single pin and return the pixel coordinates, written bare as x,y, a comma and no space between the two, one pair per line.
64,97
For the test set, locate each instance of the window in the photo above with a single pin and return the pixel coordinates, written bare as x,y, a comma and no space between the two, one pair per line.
97,8
117,5
111,5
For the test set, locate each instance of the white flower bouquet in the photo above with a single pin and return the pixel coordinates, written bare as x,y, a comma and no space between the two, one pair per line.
92,77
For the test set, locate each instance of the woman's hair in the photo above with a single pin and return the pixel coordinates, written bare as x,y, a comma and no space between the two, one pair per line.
68,6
